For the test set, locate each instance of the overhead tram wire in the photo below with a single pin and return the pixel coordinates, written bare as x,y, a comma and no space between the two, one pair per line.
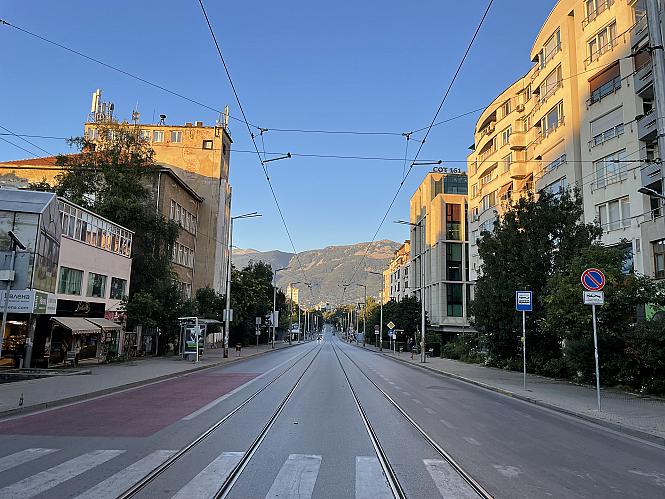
25,140
429,129
258,154
31,153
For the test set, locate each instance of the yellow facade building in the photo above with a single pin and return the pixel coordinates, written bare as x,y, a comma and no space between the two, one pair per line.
581,117
396,275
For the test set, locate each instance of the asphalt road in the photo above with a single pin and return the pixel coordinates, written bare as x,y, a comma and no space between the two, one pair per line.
319,445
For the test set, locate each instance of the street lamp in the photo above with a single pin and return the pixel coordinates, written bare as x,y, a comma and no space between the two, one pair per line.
15,243
364,312
423,357
227,319
274,303
381,300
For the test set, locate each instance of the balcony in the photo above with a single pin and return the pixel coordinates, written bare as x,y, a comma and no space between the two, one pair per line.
604,90
603,137
640,30
646,126
608,47
650,172
518,170
517,141
643,80
602,7
487,152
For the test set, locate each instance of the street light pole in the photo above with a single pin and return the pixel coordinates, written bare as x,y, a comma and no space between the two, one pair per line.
227,319
364,313
381,321
274,304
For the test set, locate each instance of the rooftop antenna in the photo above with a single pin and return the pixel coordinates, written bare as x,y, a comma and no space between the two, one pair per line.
226,117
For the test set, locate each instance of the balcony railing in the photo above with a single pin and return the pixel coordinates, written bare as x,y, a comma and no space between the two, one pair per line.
517,141
608,47
643,78
640,29
487,152
548,57
603,137
600,8
604,90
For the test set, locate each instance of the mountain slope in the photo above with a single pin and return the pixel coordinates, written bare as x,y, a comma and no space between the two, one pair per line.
326,268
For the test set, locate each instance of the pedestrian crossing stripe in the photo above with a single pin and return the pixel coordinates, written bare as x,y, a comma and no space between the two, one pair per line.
296,478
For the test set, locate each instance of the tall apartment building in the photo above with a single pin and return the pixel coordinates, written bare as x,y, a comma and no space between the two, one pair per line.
439,250
396,276
581,117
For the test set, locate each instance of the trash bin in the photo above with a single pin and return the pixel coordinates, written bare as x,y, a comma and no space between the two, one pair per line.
238,348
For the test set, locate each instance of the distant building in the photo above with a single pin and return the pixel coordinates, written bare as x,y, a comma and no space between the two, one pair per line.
396,276
292,292
439,250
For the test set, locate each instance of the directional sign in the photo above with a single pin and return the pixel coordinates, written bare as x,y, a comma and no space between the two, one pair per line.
594,298
391,325
391,333
593,280
524,301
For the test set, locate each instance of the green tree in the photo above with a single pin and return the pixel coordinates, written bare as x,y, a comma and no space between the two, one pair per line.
531,242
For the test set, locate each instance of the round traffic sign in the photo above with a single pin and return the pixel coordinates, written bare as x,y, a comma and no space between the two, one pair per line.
593,280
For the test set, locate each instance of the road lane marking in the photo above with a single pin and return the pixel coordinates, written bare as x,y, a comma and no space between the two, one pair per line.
45,480
429,410
221,399
417,401
121,481
508,471
207,482
446,424
406,393
471,440
296,478
22,457
370,481
447,480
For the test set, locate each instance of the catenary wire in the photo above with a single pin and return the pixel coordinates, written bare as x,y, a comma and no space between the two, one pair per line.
258,154
25,140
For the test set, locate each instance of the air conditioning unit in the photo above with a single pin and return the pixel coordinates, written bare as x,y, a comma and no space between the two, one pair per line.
520,108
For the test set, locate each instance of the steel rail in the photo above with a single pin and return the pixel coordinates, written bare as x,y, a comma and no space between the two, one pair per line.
231,479
159,470
388,470
473,483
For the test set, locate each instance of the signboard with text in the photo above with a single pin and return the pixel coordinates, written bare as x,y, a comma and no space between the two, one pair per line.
524,301
594,298
29,301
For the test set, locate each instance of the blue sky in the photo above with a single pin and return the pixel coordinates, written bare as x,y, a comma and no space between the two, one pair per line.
363,65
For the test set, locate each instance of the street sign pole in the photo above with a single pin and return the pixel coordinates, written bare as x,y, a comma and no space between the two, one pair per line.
524,346
595,347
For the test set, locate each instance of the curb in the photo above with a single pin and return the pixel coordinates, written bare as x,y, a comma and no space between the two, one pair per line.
607,424
120,388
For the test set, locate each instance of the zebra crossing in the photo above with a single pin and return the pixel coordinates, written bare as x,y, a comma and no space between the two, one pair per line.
296,477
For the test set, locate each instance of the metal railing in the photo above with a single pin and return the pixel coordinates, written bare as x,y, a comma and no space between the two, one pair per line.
600,8
603,137
604,90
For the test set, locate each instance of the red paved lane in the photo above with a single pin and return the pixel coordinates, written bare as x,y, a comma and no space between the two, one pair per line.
136,413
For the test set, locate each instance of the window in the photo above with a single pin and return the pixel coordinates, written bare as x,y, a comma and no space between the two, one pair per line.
158,136
505,135
96,285
176,136
555,164
611,169
454,222
602,42
606,83
453,262
527,94
595,7
93,134
489,176
207,144
556,188
489,201
614,214
659,258
455,184
474,191
118,288
438,188
70,281
506,162
552,120
144,135
182,255
506,108
550,84
475,235
552,46
454,300
607,127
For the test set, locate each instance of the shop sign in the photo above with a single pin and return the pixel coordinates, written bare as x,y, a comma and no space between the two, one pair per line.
45,303
29,301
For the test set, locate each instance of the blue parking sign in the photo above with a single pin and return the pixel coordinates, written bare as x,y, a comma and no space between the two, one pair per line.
524,301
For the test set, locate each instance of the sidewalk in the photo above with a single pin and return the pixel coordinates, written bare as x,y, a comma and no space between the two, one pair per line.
107,378
643,417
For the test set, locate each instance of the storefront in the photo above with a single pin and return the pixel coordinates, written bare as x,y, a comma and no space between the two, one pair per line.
75,339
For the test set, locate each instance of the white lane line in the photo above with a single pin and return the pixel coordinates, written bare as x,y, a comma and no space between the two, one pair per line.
429,410
471,440
208,481
397,387
371,483
417,401
296,478
212,404
447,480
121,481
22,457
391,382
406,393
446,424
45,480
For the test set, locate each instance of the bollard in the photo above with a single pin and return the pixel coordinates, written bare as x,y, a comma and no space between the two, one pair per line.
238,348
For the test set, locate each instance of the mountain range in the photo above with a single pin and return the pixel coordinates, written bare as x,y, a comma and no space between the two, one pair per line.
326,268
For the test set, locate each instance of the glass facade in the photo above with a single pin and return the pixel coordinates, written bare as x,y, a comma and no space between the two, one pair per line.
96,285
70,281
455,184
454,222
118,288
455,300
453,262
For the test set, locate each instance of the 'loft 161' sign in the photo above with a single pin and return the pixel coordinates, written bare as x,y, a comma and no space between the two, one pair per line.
443,169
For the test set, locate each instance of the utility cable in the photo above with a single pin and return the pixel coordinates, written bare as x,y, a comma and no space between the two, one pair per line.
26,140
258,154
18,146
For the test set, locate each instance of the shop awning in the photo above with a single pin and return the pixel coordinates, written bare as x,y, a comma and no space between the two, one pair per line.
505,189
105,324
77,325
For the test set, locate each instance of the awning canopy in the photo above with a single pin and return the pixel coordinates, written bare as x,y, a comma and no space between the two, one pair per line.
105,324
505,189
77,325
